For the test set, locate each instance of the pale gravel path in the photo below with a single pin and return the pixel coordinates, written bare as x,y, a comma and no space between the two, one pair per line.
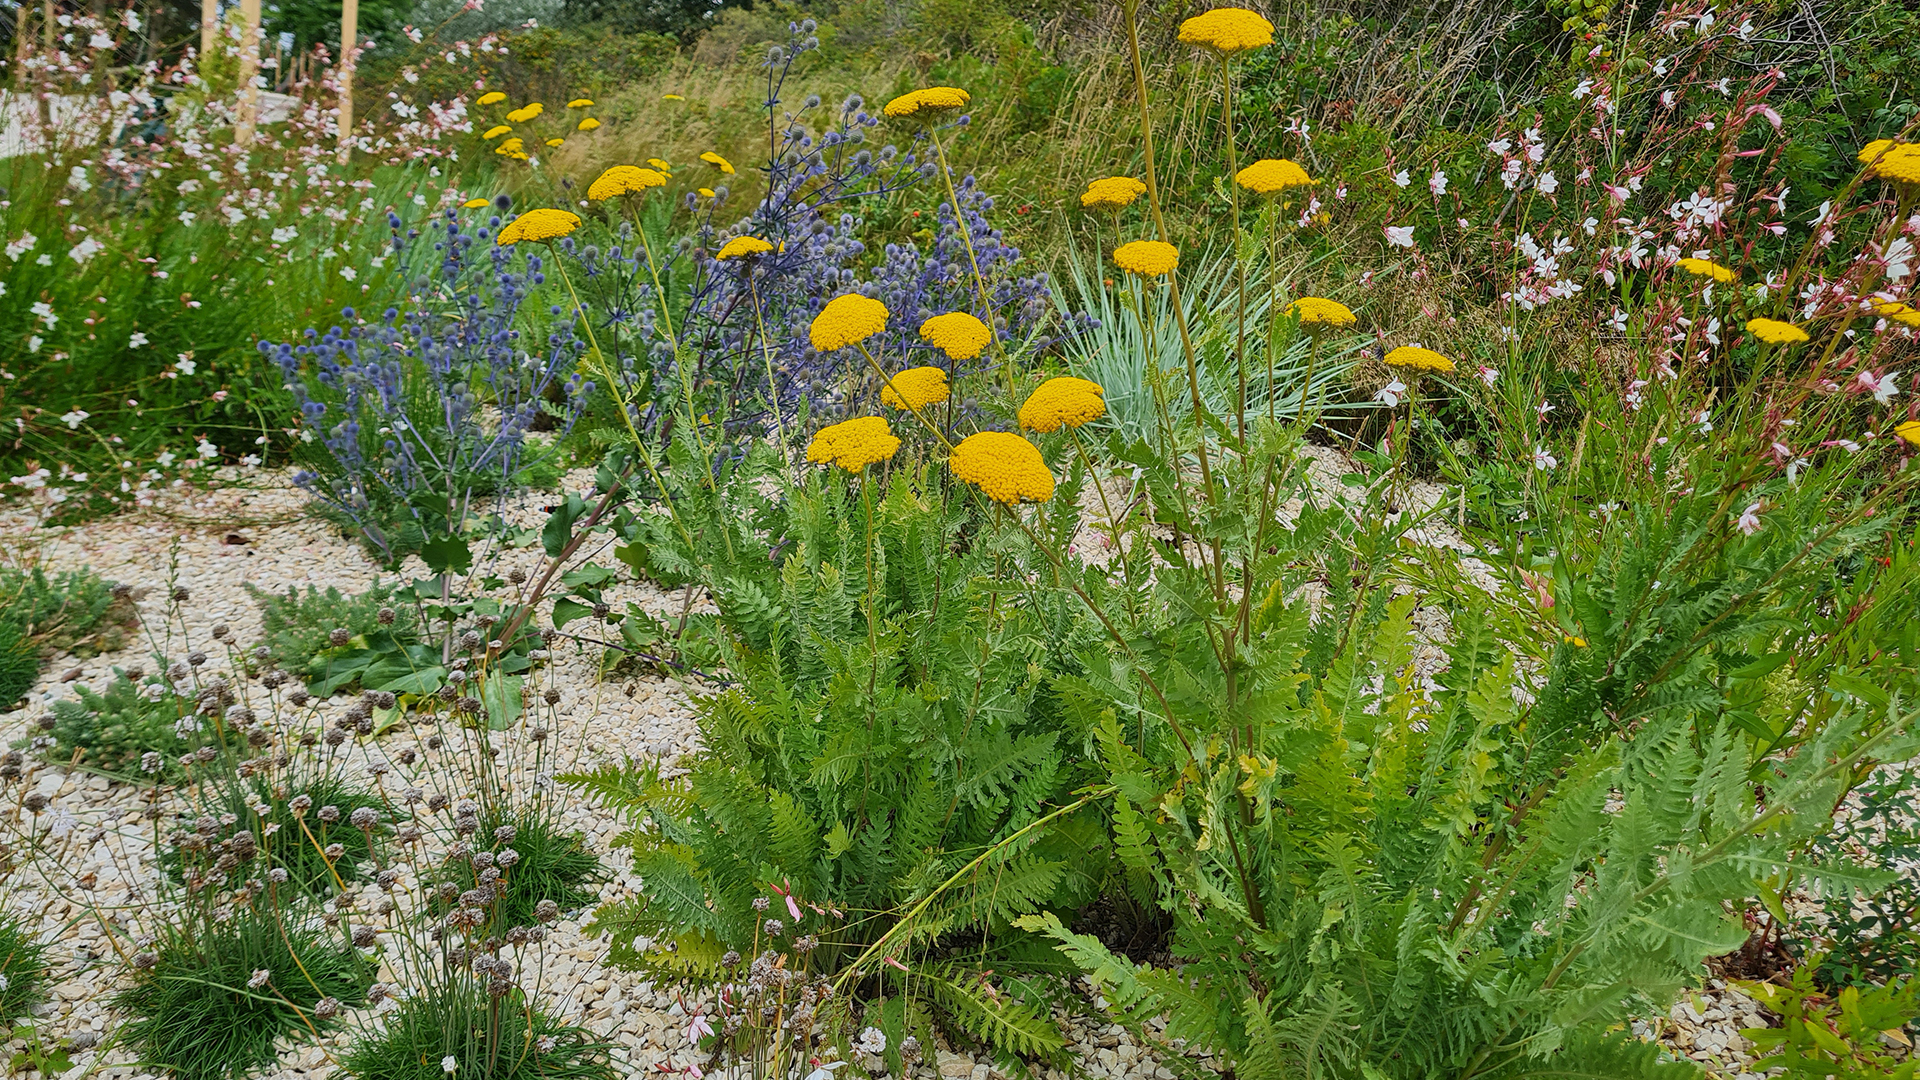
602,720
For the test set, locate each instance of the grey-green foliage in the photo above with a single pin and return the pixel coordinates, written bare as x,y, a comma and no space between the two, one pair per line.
892,717
1430,897
116,728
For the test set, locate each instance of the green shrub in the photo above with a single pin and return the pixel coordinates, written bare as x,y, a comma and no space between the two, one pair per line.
1850,1035
551,865
197,1008
73,611
896,715
284,843
1871,936
384,641
117,728
19,663
23,968
487,1039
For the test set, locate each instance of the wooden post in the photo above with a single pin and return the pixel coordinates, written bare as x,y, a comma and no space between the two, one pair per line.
20,42
46,24
349,42
243,124
209,19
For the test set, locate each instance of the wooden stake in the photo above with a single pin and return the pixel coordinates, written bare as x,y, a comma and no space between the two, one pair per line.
349,41
243,124
209,19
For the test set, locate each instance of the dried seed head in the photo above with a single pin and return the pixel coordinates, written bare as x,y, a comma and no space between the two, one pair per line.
364,817
339,636
386,615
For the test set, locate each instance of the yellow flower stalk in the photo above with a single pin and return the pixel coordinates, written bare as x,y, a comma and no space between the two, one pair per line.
1063,402
526,113
475,204
1271,176
1318,314
492,97
718,162
580,103
623,180
1148,258
510,146
958,334
587,125
1707,268
542,224
1775,332
1005,467
854,444
847,320
658,164
928,103
1111,193
555,141
1895,311
495,132
1415,358
741,247
1909,430
1227,31
915,388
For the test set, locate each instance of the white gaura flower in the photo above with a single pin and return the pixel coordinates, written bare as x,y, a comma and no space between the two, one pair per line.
825,1070
1400,235
1704,421
1391,392
1401,179
1489,375
1543,459
1437,183
74,419
448,1064
1883,388
1749,520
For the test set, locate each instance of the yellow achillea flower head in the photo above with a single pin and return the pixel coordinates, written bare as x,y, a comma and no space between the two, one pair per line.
915,388
544,223
927,103
1910,431
526,113
492,97
1415,358
1063,402
475,204
1899,165
1005,467
1227,30
1896,311
495,132
555,141
742,246
580,103
1318,313
1775,332
510,146
588,124
1707,268
847,320
1873,149
1112,193
958,334
1148,258
1271,176
671,97
658,164
624,180
706,193
854,444
718,162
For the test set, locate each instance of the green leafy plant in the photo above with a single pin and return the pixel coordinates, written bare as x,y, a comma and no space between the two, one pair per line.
73,611
201,1009
1871,937
893,734
1855,1034
23,967
550,865
490,1038
114,730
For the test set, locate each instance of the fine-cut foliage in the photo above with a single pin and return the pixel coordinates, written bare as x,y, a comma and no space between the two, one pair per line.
893,721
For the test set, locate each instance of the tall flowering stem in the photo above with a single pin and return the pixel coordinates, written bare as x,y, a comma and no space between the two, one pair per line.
1239,263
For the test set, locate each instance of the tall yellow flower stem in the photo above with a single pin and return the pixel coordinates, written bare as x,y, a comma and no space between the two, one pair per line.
673,340
773,393
966,238
1160,227
1239,263
626,417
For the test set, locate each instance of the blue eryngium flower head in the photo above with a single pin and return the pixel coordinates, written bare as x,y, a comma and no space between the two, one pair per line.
503,202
